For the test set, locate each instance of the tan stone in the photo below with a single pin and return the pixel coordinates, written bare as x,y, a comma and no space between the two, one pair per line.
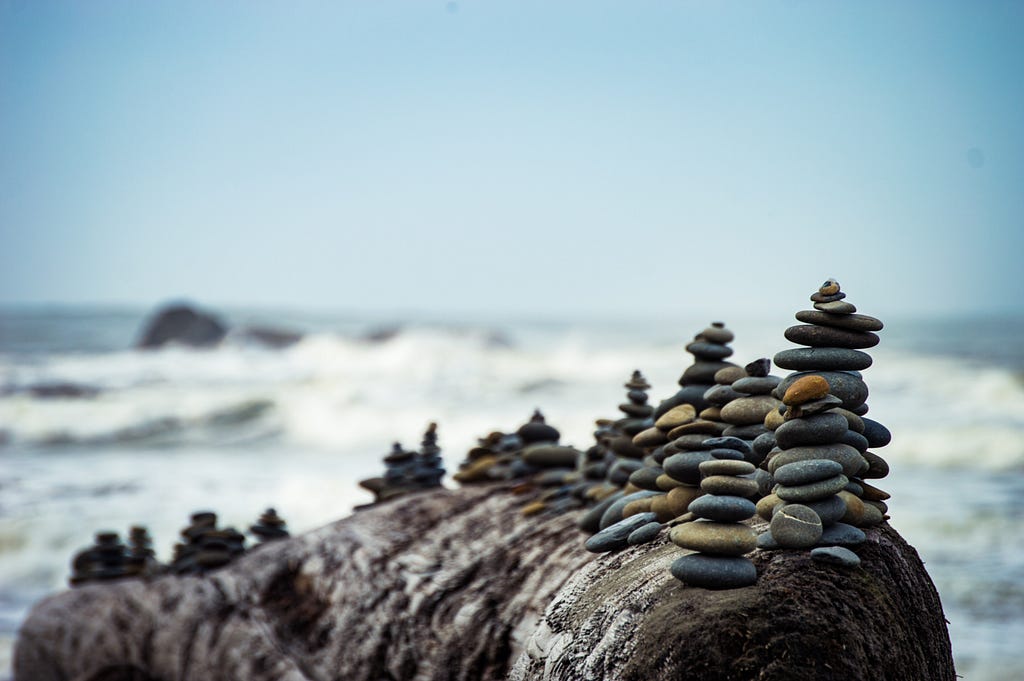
805,389
676,416
722,539
652,437
679,498
638,506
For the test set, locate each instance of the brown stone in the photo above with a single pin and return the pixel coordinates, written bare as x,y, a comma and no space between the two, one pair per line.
652,437
719,539
676,416
679,498
637,506
805,389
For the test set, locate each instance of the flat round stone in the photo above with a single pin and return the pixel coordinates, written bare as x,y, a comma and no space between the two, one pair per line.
831,509
716,334
676,416
763,444
812,491
820,297
877,466
730,454
855,440
876,434
849,388
651,437
766,542
836,307
726,443
644,533
854,322
767,505
748,432
714,572
749,410
698,427
841,534
822,359
835,555
725,467
853,422
795,527
826,403
853,463
678,499
756,385
702,372
647,478
591,520
616,536
720,395
729,485
723,508
685,466
729,375
714,538
830,337
819,429
703,349
550,456
803,472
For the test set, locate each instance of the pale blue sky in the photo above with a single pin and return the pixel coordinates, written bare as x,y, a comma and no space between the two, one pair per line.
598,157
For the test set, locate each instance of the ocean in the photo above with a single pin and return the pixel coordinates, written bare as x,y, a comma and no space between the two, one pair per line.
96,435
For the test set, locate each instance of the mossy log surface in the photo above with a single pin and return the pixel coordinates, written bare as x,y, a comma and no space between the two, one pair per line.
457,584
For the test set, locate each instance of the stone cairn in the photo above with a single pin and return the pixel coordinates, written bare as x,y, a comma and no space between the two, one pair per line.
812,468
709,348
718,535
399,468
107,559
834,335
269,527
205,546
429,468
548,465
141,553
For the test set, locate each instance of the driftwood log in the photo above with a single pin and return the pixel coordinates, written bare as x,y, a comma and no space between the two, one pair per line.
459,585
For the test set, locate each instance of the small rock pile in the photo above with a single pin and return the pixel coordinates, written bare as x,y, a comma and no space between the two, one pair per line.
719,536
269,527
205,546
709,348
107,559
408,471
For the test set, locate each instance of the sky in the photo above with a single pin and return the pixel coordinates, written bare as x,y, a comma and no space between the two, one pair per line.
608,158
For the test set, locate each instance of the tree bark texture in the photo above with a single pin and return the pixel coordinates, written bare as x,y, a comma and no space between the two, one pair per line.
458,584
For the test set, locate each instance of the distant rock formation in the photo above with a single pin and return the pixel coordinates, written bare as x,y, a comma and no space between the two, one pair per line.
183,324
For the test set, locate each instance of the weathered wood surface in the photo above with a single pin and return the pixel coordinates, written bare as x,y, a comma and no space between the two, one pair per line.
459,585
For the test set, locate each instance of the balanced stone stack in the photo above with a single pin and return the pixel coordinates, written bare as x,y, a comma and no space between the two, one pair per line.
488,460
428,469
105,560
834,335
399,465
709,348
141,553
269,527
751,401
627,456
205,546
812,469
719,536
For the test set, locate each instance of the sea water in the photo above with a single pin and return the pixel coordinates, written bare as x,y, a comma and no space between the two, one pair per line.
148,437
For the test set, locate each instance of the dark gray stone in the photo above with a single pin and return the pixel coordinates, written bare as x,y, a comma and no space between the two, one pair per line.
756,385
804,472
855,440
182,324
830,509
591,520
819,297
720,395
726,443
616,536
759,368
877,466
730,454
748,432
764,443
684,466
876,434
819,429
841,534
723,508
830,337
854,322
853,463
822,359
644,533
703,349
703,373
714,572
835,555
614,512
645,478
621,471
812,491
726,467
766,542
